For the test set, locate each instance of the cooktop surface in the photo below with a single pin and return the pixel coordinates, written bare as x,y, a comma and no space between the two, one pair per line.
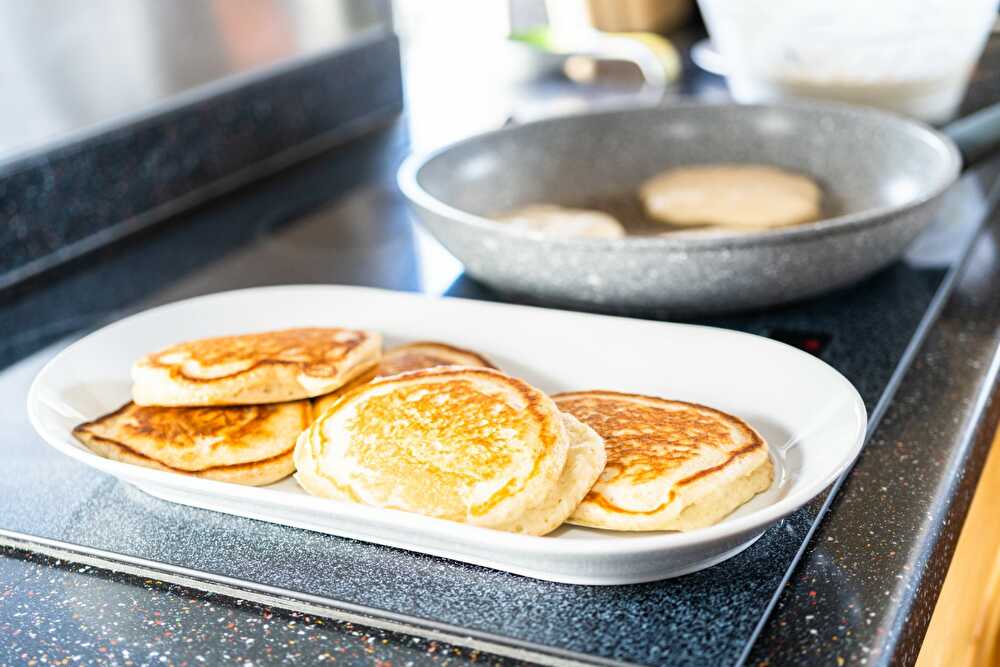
364,236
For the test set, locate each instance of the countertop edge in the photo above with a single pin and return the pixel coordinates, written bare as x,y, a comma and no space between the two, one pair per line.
942,418
69,198
298,601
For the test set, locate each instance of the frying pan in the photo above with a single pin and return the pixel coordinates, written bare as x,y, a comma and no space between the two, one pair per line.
883,178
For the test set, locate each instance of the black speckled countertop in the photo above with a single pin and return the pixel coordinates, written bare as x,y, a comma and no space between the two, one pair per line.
923,329
54,612
363,236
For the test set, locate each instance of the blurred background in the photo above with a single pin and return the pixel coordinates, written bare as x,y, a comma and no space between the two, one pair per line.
67,65
151,150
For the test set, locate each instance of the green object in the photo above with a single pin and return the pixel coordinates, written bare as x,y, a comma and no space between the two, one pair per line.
539,37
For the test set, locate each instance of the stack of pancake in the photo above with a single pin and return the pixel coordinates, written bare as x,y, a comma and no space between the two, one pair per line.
432,429
230,408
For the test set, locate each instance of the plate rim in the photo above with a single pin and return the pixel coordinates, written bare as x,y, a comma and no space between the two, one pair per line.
650,542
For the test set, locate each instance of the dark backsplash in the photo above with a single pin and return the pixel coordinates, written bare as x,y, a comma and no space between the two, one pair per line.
60,202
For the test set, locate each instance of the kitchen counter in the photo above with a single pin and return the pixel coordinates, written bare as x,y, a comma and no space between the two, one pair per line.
55,612
866,576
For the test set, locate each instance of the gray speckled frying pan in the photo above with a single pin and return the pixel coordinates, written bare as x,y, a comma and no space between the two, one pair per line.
882,175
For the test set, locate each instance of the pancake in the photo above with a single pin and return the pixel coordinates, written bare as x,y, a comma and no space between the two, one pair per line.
256,473
747,196
564,222
197,439
409,357
322,403
269,367
670,465
584,463
464,444
425,354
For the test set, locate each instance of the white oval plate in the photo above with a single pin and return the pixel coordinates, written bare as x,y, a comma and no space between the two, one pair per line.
811,416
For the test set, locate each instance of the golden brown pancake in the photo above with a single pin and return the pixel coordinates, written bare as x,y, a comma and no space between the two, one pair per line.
255,473
409,357
197,439
670,465
323,403
465,444
269,367
584,463
426,354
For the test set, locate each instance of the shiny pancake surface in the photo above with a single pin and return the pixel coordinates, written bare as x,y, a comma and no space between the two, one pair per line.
404,358
464,444
670,465
194,439
268,367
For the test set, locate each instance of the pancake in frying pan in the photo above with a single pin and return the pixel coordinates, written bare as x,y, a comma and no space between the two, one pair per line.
734,196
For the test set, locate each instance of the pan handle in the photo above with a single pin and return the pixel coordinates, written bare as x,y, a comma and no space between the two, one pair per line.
977,134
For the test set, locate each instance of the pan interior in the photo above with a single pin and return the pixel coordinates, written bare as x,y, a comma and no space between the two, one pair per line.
863,160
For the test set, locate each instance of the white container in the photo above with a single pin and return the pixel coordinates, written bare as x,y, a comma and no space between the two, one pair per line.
909,56
812,418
